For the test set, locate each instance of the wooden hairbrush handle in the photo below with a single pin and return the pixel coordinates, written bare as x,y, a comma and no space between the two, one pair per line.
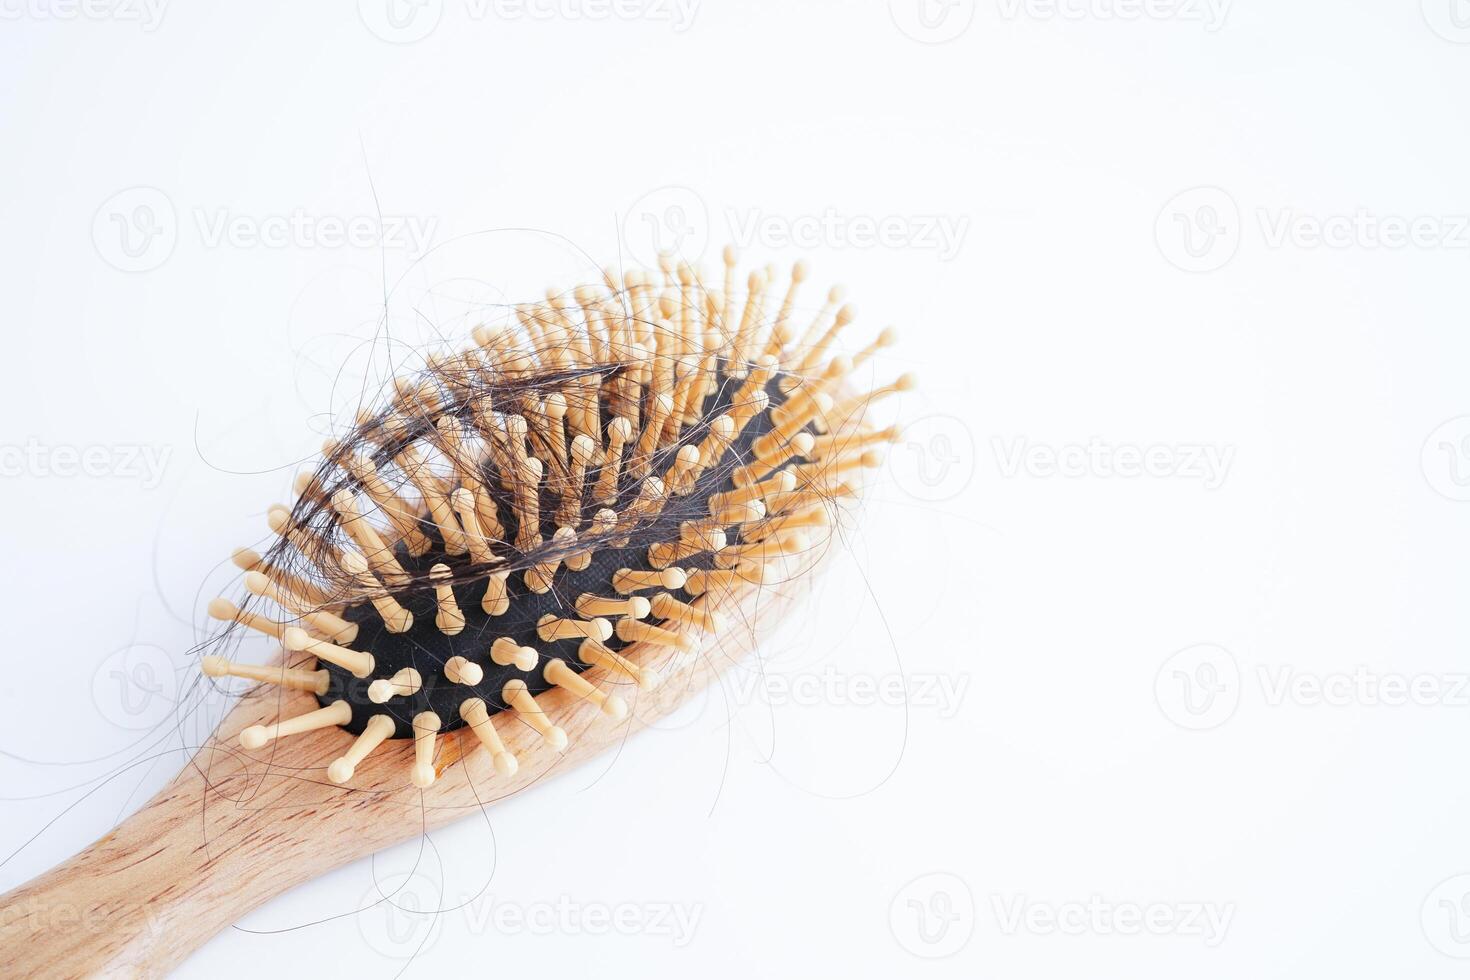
143,897
237,828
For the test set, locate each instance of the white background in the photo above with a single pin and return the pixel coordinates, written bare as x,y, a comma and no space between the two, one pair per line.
1114,679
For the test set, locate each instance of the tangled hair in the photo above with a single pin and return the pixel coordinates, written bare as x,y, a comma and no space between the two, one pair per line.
590,484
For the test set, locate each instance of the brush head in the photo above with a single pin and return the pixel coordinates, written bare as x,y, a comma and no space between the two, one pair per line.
576,494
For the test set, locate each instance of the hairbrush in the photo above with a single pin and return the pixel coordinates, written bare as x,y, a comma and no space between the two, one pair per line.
533,547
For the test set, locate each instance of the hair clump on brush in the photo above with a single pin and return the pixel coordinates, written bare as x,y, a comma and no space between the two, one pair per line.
586,487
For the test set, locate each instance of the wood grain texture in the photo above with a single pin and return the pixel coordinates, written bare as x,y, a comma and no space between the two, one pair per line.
236,828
